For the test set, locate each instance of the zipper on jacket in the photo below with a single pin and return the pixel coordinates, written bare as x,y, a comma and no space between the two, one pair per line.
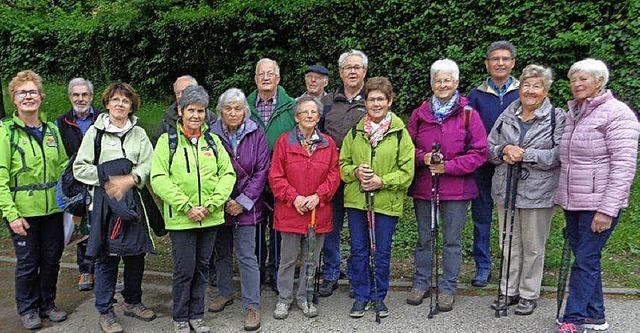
186,158
593,183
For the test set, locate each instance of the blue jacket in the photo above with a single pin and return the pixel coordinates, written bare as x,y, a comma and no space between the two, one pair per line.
489,104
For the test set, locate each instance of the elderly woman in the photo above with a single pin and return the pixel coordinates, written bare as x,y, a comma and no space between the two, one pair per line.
598,162
376,160
304,176
247,145
115,158
32,158
445,119
526,136
193,175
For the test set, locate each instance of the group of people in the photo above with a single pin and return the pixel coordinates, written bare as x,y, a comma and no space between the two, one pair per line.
295,167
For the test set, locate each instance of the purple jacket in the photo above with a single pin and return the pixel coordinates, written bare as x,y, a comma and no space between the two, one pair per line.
251,163
598,154
457,182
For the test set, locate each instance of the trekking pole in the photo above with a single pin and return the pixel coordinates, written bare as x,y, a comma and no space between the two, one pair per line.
309,269
371,219
435,210
316,284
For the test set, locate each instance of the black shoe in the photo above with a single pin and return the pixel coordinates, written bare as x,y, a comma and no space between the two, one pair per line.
499,304
327,287
381,309
481,280
526,306
358,309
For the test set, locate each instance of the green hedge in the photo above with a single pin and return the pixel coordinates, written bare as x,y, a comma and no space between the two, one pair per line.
149,43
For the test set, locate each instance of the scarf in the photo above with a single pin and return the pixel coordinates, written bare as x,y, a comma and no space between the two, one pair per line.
375,132
310,144
234,138
442,110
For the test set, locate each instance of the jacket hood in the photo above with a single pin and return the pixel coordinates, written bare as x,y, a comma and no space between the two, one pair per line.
100,121
249,127
592,103
541,112
485,87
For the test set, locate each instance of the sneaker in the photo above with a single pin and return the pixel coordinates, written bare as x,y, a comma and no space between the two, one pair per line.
308,309
108,323
54,315
499,303
181,327
481,279
139,311
31,321
199,326
415,296
445,302
358,309
591,324
85,282
381,309
525,306
281,311
219,303
571,328
327,287
252,322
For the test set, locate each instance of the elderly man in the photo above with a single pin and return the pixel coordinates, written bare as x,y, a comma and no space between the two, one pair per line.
272,109
73,125
490,99
171,115
342,110
316,79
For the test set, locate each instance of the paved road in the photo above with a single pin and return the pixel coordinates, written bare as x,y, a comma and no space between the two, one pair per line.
470,314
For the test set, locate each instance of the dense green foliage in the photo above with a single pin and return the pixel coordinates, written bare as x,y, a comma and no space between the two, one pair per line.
149,43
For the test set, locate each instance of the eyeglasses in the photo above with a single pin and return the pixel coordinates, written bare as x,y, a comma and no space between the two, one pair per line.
308,112
445,82
267,75
528,86
23,93
83,95
123,101
349,69
498,59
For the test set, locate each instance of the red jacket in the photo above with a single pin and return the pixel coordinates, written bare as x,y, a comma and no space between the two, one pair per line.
293,172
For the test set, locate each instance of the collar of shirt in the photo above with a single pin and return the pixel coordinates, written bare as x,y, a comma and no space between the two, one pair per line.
500,90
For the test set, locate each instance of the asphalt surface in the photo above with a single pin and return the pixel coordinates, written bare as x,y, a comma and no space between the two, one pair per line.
470,313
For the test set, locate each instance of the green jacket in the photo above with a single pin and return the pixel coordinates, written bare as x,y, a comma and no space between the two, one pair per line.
393,162
198,176
281,120
29,170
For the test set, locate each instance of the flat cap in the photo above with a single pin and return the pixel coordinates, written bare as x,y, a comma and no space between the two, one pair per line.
317,69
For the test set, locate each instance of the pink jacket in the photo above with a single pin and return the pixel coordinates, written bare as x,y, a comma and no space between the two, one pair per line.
598,154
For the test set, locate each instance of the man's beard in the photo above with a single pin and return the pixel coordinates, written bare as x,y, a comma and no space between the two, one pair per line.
81,111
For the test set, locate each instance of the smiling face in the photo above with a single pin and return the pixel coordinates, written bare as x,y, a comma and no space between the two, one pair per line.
499,65
27,98
443,85
119,107
532,93
81,98
307,116
192,116
377,104
266,77
584,85
315,83
353,72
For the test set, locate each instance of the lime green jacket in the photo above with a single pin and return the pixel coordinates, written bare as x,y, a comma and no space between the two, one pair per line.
29,170
392,160
197,176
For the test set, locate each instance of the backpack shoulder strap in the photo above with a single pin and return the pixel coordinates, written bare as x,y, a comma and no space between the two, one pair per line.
11,126
466,115
553,126
211,143
97,146
172,134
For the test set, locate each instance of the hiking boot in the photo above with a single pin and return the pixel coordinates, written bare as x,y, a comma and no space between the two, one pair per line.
199,326
139,311
181,327
252,322
381,309
415,296
570,328
108,323
591,324
481,279
54,315
308,309
85,282
31,321
219,303
327,287
499,304
358,309
525,306
281,311
445,302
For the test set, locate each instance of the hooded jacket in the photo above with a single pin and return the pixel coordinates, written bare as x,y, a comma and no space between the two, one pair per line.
488,102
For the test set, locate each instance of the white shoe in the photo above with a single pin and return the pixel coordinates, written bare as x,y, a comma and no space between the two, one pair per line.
308,309
281,311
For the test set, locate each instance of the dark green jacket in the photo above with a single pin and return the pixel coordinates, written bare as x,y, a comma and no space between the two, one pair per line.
281,120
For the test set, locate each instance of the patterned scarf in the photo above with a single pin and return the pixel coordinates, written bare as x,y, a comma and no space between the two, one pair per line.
310,144
233,137
442,110
375,132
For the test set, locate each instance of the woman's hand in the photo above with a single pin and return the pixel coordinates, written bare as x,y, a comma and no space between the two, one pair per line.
512,154
437,168
197,214
312,201
601,222
19,226
300,204
117,186
371,184
233,208
363,172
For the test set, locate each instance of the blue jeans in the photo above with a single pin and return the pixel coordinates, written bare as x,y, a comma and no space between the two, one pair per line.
106,275
331,256
241,241
585,284
191,250
481,213
361,273
454,216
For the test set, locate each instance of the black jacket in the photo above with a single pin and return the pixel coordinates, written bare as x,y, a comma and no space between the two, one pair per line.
70,132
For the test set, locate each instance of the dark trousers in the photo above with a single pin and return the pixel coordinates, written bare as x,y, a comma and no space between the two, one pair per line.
268,253
481,212
106,276
191,251
38,262
85,266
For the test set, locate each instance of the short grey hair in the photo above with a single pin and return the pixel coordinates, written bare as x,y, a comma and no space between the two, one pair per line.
308,98
194,82
232,95
446,66
537,71
343,57
501,45
263,60
193,95
595,67
79,81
